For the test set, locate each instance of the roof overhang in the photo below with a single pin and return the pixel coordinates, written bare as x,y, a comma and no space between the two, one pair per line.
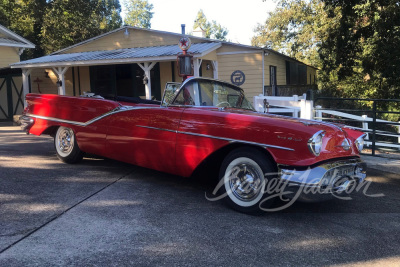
119,56
18,40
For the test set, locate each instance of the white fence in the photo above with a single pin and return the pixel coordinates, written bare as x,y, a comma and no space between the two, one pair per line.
299,107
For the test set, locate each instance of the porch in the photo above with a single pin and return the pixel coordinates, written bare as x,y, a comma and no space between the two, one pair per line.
138,72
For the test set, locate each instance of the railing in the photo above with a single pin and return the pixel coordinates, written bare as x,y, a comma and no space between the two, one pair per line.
368,118
287,90
381,133
295,106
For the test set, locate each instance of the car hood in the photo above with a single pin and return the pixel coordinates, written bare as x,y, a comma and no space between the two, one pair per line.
295,133
297,122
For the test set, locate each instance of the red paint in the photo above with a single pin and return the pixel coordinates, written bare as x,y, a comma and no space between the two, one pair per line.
130,136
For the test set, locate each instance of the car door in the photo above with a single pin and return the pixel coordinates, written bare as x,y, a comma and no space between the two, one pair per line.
145,136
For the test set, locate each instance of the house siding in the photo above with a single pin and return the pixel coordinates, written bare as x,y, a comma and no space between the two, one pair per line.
136,38
249,64
8,55
280,64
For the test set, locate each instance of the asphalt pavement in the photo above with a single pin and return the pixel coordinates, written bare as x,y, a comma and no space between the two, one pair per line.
102,212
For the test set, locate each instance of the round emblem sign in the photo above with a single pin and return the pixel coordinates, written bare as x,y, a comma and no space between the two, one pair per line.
238,78
184,43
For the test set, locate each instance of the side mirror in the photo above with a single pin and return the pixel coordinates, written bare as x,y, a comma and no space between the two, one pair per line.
170,91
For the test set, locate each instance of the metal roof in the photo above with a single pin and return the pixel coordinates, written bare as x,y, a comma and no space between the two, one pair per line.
138,54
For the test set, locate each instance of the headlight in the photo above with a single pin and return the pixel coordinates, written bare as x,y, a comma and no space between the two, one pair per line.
360,142
315,143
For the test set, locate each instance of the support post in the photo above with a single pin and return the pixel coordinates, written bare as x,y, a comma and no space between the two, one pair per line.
60,72
25,82
365,125
318,113
215,68
146,67
398,132
373,128
196,66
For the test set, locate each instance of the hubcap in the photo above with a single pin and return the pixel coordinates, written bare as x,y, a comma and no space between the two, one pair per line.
245,182
66,141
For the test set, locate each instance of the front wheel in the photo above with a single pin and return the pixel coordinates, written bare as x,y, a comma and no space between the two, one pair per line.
66,147
243,177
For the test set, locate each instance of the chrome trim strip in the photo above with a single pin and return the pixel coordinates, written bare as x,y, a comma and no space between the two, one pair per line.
56,120
220,138
84,124
155,128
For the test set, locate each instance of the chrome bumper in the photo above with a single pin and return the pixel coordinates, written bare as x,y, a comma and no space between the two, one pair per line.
26,123
323,182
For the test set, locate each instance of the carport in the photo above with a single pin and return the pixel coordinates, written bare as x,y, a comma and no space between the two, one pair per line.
145,57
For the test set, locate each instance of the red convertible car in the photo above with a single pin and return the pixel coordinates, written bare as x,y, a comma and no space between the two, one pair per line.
206,122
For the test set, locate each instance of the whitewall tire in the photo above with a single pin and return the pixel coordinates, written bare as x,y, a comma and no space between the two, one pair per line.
243,179
66,147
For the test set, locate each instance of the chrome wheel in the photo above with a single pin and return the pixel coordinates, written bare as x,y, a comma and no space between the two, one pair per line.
244,181
65,141
66,145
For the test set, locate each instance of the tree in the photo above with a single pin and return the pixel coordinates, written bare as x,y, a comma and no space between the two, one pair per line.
365,47
26,19
69,22
138,13
353,42
213,29
296,28
52,25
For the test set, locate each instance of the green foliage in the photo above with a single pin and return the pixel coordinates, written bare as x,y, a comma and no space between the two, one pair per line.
52,25
25,18
354,43
138,13
296,28
213,29
69,22
363,49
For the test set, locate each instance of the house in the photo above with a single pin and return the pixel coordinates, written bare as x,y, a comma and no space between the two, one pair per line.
11,47
132,61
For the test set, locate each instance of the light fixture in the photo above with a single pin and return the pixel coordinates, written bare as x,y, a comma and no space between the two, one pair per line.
145,80
46,74
208,66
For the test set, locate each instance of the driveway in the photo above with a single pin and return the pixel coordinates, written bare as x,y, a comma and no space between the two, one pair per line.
106,213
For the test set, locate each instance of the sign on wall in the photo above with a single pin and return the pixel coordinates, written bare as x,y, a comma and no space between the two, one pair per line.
238,78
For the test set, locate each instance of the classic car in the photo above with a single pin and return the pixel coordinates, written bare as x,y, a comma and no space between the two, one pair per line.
200,123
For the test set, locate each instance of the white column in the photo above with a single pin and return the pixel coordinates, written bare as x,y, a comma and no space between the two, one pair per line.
146,67
60,72
215,68
196,66
25,82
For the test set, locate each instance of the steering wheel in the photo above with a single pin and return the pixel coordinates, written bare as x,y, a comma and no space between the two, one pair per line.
222,103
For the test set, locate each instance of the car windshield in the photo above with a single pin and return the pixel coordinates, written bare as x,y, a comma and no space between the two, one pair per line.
211,93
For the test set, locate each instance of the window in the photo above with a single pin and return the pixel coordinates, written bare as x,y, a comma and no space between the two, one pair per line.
296,73
211,93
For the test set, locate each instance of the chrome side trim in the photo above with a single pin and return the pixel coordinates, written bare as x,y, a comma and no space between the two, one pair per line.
155,128
56,120
220,138
84,124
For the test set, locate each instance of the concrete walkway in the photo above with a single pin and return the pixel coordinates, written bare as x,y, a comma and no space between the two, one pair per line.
390,165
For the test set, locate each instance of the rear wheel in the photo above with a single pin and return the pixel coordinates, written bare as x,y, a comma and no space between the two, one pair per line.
243,177
66,147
